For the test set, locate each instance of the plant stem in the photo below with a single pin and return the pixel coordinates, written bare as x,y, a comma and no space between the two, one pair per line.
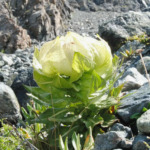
144,68
54,121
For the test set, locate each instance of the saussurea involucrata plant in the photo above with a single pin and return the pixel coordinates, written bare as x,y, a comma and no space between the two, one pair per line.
76,92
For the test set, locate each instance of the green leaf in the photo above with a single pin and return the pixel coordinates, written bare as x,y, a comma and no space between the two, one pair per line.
89,83
116,91
25,114
104,102
64,119
89,142
61,143
37,100
66,144
67,131
64,131
148,107
47,83
39,93
57,115
144,109
43,98
91,122
51,112
76,141
80,65
109,119
115,61
30,109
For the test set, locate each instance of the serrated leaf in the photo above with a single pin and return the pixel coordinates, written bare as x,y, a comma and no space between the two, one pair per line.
109,119
89,83
37,100
91,122
65,119
39,93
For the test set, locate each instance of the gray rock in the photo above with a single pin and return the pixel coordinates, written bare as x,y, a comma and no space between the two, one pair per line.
134,103
113,5
140,142
111,140
74,4
83,4
141,145
9,106
126,144
12,36
19,73
107,141
24,77
83,23
140,67
7,60
1,63
126,131
146,51
117,30
143,123
14,63
130,85
43,19
92,6
132,79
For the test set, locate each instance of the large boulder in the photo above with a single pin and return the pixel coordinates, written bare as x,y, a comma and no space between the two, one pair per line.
9,106
141,142
44,19
12,36
117,137
134,103
143,123
131,79
22,20
117,30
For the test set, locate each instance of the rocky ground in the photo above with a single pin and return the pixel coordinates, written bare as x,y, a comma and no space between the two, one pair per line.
83,23
115,22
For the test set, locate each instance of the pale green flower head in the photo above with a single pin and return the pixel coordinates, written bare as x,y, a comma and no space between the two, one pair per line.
63,61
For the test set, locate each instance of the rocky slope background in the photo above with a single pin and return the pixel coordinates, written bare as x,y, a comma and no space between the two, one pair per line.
25,24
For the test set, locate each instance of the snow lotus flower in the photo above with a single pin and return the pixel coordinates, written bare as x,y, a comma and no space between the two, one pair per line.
63,61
